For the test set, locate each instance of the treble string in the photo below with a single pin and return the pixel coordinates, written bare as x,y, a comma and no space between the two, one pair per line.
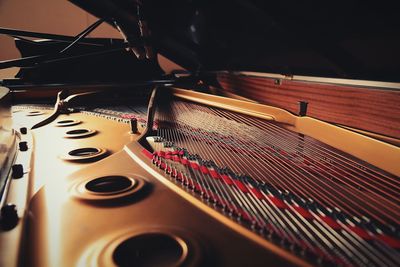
279,163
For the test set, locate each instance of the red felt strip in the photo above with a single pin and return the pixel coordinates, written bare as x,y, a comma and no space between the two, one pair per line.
360,232
244,214
147,153
184,179
169,169
197,187
303,212
190,182
331,222
204,169
174,173
214,174
277,202
241,186
227,179
179,176
283,152
194,165
392,242
163,166
257,193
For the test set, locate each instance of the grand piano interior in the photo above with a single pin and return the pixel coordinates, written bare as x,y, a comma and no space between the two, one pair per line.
273,142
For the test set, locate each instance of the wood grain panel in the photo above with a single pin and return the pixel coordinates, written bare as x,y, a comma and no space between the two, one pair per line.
370,109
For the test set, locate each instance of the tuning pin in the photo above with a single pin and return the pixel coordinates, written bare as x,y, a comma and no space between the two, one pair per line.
270,190
154,159
386,229
310,204
174,173
134,125
229,172
168,144
168,169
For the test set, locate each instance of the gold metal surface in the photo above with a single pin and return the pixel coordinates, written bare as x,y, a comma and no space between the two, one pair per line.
69,225
80,191
67,123
100,152
140,159
63,228
102,256
79,133
50,143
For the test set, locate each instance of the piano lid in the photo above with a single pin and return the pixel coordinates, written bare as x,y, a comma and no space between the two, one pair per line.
351,39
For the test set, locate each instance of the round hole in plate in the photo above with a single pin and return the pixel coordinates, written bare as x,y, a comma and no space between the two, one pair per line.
65,121
84,152
108,188
109,184
78,131
150,249
35,113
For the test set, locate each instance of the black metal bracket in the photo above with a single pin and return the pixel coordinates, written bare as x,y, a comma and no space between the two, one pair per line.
53,57
50,58
83,34
48,36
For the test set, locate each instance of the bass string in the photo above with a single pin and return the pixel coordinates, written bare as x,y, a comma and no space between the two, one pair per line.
297,223
269,214
327,151
282,169
234,194
381,201
200,181
294,137
237,200
394,210
228,195
375,178
187,142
